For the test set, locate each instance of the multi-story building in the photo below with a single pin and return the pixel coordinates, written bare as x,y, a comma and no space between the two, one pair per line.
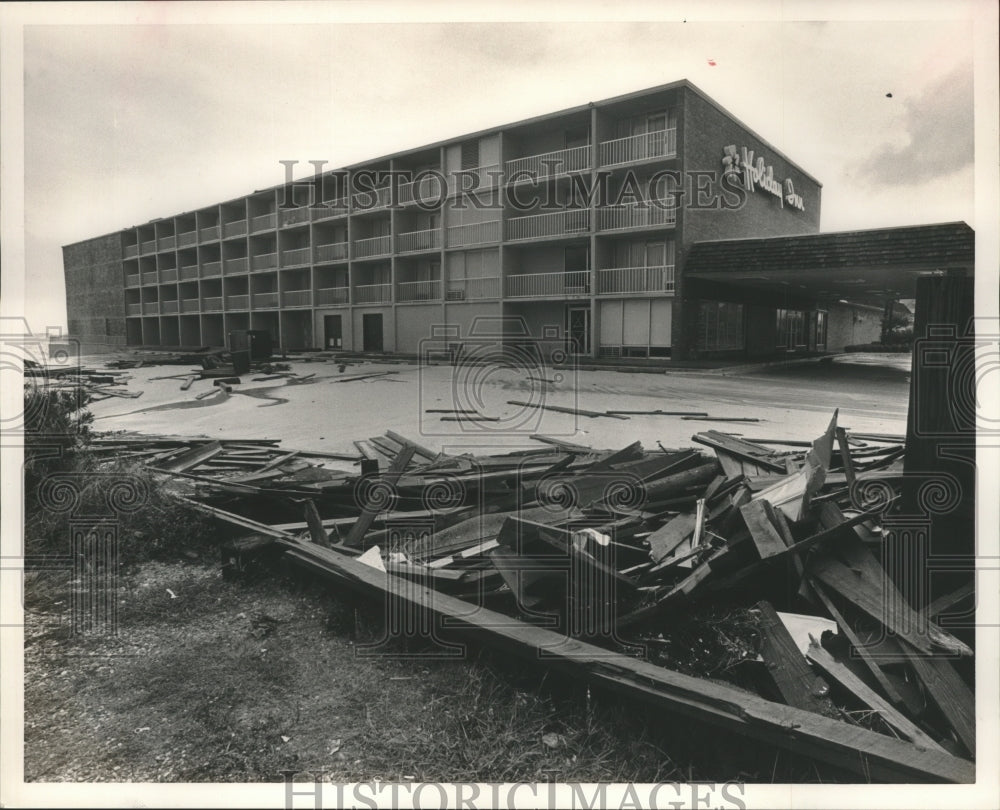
575,224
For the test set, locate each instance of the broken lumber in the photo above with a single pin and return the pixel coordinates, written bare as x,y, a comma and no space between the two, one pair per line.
796,682
356,535
563,409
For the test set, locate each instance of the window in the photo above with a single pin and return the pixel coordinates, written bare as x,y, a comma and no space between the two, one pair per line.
470,155
790,330
720,326
577,137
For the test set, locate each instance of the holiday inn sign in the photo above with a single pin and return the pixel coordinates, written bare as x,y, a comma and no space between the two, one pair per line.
756,174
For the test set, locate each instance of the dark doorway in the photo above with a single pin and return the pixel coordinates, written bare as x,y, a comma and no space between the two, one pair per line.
333,332
371,327
578,323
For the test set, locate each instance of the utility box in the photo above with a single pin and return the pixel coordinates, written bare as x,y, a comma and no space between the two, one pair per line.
257,341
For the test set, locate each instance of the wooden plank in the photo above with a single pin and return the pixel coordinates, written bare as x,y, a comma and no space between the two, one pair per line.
798,684
762,457
874,756
191,458
845,456
943,603
237,520
278,461
317,532
420,450
669,536
563,409
762,530
568,447
857,687
659,413
358,531
948,692
188,380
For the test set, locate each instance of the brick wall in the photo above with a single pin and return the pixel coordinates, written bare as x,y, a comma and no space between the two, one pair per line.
95,299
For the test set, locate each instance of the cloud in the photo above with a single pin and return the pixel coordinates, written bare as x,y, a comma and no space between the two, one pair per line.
938,127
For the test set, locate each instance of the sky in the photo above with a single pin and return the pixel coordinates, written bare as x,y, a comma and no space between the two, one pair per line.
127,122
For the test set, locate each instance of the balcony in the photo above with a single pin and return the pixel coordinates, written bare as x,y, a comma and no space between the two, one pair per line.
213,304
168,307
237,302
289,216
373,294
548,284
296,298
550,164
469,180
573,221
475,233
264,300
234,266
427,190
656,213
133,280
330,208
295,257
189,272
418,240
635,280
375,246
189,305
333,295
471,289
151,308
166,242
661,143
363,199
419,291
149,246
265,261
168,275
236,228
333,252
187,238
131,251
208,233
133,309
149,278
211,269
264,222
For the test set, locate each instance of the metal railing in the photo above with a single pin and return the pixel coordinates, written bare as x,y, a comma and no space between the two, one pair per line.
189,305
264,222
211,269
264,261
289,216
550,164
131,251
167,275
635,279
149,277
264,299
363,199
236,228
237,302
333,295
168,307
149,246
427,190
530,284
334,251
133,280
330,208
373,294
187,238
374,246
637,215
419,290
166,242
296,256
473,233
296,298
418,240
474,179
133,309
470,289
208,233
660,143
213,304
235,265
558,223
151,308
189,272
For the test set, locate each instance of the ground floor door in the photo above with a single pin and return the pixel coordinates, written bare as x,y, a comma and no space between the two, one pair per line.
578,328
333,331
371,328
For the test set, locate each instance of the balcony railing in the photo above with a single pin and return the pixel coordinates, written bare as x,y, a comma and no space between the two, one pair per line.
335,251
264,300
168,307
213,304
149,246
375,246
189,305
236,228
264,222
474,233
296,256
166,242
234,266
168,275
133,280
150,307
635,279
330,208
427,190
187,238
558,223
419,291
133,309
661,143
208,233
574,283
333,295
237,302
550,163
264,261
189,272
475,179
296,298
373,294
289,216
149,278
470,289
637,215
363,199
131,251
211,269
418,240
